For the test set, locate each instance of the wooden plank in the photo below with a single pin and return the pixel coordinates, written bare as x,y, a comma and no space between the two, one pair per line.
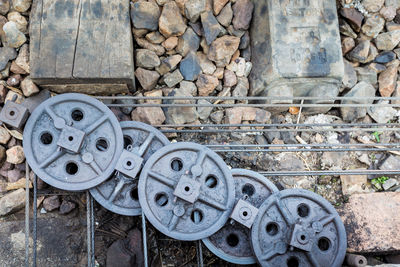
92,89
82,42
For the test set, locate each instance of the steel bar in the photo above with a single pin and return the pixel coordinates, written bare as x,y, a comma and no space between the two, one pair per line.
27,214
259,131
273,125
253,105
88,230
92,230
34,226
307,150
144,233
304,145
199,251
327,173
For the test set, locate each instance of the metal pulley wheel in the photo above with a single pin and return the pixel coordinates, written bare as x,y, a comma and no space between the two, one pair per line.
297,228
119,194
73,142
232,243
186,191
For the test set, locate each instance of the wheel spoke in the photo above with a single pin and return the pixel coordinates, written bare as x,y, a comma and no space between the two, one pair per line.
173,222
96,124
117,190
143,147
283,210
326,220
52,158
312,259
96,167
162,179
212,203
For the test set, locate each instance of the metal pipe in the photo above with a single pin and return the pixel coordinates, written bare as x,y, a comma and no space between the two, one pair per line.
144,233
27,214
353,260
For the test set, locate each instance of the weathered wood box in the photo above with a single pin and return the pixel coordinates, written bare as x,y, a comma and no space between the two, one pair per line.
82,46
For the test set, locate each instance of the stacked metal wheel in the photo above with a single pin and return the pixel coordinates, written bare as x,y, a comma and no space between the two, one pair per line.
74,142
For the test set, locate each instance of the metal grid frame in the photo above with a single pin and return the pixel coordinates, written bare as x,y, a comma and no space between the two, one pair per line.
253,129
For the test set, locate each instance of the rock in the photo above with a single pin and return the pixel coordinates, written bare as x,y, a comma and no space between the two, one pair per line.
373,5
353,17
388,40
396,94
211,26
126,252
193,9
121,116
147,59
22,60
376,67
171,22
51,203
352,184
206,84
367,75
22,23
360,52
3,93
206,65
188,42
180,115
15,155
390,163
190,67
169,64
388,12
2,154
28,87
244,41
387,80
6,54
4,136
12,202
21,5
172,79
139,33
242,14
218,5
204,112
230,78
127,109
14,37
233,115
371,221
391,26
67,206
385,57
158,49
389,184
217,116
373,26
226,15
149,115
348,44
147,78
155,37
362,89
222,50
4,7
197,28
350,75
242,87
170,43
188,88
14,80
346,29
145,15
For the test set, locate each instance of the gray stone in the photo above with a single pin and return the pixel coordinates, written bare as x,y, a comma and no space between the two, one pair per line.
207,66
145,15
21,5
217,116
189,41
373,26
126,110
242,14
204,112
222,50
4,7
155,37
172,79
230,78
6,54
242,87
147,59
4,136
188,88
180,115
211,26
362,89
350,75
12,202
2,154
14,37
193,9
226,15
388,40
171,22
190,67
168,64
382,114
51,203
373,5
390,163
389,184
360,52
147,78
67,206
366,74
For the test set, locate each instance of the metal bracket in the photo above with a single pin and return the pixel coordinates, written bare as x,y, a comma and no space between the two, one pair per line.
244,213
14,115
71,139
187,189
129,164
301,238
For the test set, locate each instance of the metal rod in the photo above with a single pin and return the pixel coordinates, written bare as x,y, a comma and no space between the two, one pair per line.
273,150
27,214
92,229
259,131
34,220
144,233
199,251
89,246
327,173
305,145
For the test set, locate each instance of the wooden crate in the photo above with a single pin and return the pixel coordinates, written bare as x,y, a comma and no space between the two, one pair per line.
82,46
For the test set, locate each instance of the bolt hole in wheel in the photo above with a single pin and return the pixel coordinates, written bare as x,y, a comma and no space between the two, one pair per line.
71,168
102,144
303,237
292,262
12,113
77,115
177,165
272,228
71,138
211,181
129,163
127,141
324,244
303,210
245,214
134,194
196,216
232,240
361,262
248,189
187,188
46,138
161,199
